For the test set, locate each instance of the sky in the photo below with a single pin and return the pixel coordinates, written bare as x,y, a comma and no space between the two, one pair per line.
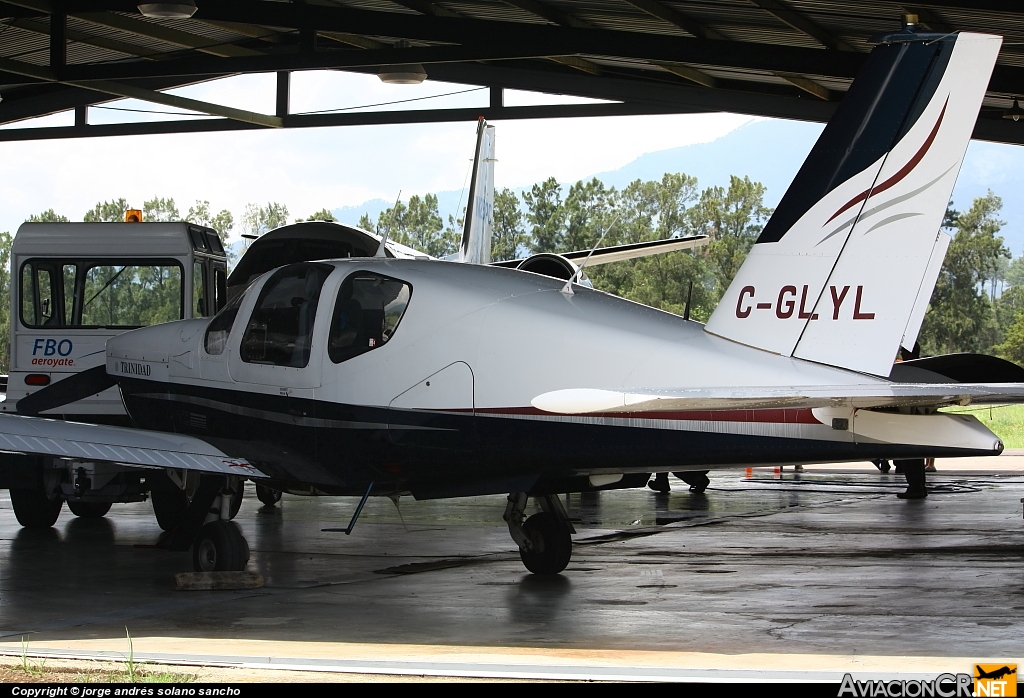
310,169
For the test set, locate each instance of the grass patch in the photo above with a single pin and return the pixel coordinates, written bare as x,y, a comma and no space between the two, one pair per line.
1007,421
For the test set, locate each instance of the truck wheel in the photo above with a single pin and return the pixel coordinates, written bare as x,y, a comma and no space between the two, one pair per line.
34,509
170,507
89,510
220,547
267,495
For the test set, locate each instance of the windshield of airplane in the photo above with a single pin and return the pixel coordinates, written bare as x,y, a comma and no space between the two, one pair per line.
124,294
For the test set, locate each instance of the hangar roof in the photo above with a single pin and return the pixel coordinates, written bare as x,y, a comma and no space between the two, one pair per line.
779,58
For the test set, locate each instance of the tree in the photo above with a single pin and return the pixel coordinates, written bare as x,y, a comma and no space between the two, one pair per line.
543,213
417,224
257,220
107,212
960,316
732,218
5,306
47,216
321,215
200,214
508,234
158,210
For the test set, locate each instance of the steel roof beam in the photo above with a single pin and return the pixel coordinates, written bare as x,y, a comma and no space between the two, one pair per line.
785,13
132,92
89,39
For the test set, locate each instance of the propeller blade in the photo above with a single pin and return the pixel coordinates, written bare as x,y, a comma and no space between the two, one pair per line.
77,387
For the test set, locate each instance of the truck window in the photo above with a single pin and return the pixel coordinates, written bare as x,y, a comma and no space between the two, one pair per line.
100,293
37,301
199,291
281,327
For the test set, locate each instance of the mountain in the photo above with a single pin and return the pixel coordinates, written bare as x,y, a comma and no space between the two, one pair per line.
771,151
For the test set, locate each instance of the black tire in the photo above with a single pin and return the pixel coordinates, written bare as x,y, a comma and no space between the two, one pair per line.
34,509
236,500
89,510
267,495
220,547
170,507
552,544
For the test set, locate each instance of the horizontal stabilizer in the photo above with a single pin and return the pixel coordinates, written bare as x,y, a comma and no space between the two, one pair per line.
98,442
618,253
594,401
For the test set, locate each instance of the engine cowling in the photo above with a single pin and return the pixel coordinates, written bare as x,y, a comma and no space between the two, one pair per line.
553,265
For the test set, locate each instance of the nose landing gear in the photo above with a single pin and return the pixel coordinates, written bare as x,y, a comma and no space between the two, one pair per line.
545,543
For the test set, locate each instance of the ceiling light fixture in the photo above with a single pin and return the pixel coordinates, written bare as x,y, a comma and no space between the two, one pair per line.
183,9
404,74
412,74
1014,112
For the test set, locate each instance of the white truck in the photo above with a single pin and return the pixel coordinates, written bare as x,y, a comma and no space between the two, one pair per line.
73,286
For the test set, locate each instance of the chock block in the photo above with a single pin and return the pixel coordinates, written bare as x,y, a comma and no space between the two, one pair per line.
217,581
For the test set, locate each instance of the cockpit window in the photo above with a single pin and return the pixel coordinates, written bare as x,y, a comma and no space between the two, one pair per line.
281,327
219,329
366,315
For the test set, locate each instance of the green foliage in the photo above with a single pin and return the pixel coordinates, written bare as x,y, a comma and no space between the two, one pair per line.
643,211
200,213
47,216
158,210
107,212
5,306
417,224
257,220
509,234
961,316
323,214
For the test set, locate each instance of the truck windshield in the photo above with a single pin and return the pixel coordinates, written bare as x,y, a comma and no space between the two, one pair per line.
100,293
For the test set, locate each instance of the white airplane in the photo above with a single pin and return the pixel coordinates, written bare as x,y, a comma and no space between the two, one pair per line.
387,376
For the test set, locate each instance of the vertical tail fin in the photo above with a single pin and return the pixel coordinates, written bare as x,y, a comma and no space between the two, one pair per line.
477,230
843,271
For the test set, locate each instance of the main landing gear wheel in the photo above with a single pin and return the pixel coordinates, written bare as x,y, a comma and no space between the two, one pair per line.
267,495
220,547
697,480
552,544
34,509
89,510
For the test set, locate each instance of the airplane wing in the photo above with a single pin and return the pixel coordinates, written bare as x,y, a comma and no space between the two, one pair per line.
594,401
617,253
98,442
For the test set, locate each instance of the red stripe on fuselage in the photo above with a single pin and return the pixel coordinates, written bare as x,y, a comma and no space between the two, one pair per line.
904,171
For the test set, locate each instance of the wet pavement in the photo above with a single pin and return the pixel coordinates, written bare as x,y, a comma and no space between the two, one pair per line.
827,562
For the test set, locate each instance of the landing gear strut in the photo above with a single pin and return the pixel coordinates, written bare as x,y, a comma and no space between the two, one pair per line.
544,540
913,470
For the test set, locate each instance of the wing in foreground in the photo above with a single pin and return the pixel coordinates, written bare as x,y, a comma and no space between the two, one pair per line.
97,442
594,401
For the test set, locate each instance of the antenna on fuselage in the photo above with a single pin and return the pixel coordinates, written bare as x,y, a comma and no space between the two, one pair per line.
567,289
387,231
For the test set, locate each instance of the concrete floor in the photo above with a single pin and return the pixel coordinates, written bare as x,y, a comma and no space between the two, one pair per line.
813,572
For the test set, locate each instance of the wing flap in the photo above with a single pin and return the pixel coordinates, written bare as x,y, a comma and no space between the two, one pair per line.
97,442
593,401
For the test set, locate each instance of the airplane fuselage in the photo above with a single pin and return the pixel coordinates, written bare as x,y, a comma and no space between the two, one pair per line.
443,407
